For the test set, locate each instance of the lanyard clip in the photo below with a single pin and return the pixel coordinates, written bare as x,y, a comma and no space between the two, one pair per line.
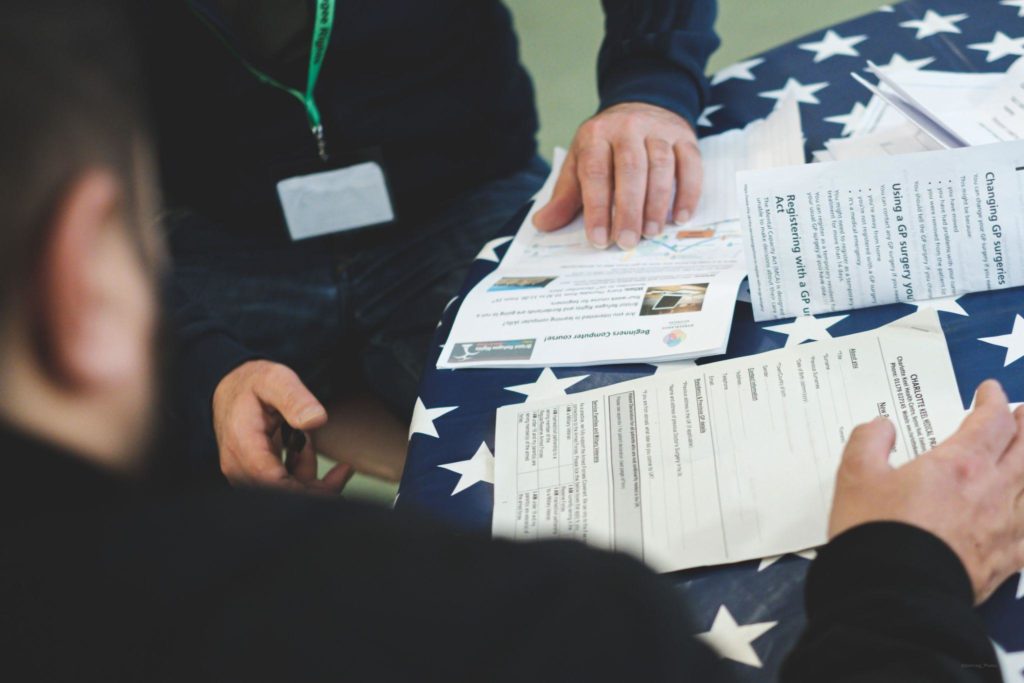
321,142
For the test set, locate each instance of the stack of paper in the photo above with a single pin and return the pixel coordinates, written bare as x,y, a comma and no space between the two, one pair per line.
918,111
555,300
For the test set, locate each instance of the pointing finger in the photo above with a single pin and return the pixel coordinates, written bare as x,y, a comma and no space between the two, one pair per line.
594,170
689,180
661,165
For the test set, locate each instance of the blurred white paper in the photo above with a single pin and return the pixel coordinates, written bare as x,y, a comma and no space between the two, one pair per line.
943,92
777,140
915,112
973,109
1000,117
905,138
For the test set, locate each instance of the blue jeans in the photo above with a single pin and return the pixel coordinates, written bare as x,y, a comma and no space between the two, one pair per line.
349,318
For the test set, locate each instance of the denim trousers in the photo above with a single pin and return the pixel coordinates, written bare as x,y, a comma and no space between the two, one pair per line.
349,319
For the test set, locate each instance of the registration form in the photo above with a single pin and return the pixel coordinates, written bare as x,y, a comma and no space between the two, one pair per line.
724,462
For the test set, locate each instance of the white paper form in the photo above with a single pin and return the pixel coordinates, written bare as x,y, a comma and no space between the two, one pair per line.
555,300
724,462
861,233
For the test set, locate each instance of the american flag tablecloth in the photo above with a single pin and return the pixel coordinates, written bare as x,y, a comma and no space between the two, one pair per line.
752,612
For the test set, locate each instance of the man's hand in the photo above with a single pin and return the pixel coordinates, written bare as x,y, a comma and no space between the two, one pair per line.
968,491
250,406
631,157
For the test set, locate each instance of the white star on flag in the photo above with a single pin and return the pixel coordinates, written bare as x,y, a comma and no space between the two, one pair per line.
833,45
947,304
479,468
934,23
423,418
705,116
769,561
1001,46
807,328
488,253
1013,342
1019,4
886,8
850,121
900,63
802,93
546,386
1011,664
741,71
732,641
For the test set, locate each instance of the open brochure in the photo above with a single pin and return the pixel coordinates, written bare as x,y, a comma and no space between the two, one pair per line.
554,300
859,233
724,462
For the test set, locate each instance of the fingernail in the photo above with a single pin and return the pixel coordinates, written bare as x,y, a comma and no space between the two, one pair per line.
628,240
598,237
310,414
652,229
683,216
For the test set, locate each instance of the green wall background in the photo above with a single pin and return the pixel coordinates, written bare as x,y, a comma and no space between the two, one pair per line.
559,41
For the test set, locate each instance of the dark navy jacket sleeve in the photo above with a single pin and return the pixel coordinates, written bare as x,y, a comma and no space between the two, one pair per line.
204,351
655,51
890,602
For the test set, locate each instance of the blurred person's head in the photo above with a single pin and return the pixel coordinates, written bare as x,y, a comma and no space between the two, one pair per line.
79,252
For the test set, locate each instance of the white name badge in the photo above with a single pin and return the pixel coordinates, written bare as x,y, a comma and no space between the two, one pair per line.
335,201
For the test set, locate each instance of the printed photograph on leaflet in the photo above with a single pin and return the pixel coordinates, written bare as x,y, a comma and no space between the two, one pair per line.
670,299
511,284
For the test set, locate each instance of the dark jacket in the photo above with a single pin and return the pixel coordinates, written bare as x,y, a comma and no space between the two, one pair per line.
109,580
433,89
436,87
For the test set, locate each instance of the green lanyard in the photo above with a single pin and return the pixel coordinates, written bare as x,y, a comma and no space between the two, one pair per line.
323,23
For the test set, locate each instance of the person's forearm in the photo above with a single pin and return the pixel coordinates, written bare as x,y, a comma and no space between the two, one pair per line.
656,52
890,602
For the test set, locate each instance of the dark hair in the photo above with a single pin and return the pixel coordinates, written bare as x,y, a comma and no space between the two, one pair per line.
70,99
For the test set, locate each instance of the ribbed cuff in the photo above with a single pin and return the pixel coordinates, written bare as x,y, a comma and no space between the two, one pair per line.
651,81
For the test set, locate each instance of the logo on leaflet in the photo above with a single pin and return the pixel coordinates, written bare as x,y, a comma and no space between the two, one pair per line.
476,352
674,338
